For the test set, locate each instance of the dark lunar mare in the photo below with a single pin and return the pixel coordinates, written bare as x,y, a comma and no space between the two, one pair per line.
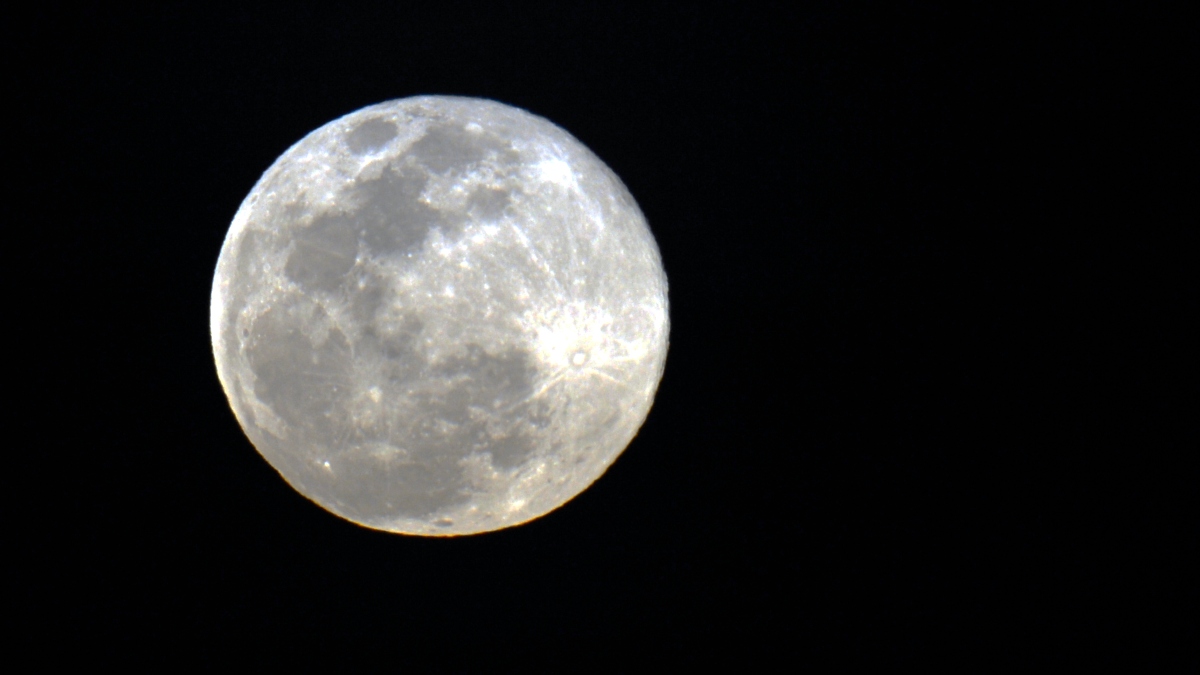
306,385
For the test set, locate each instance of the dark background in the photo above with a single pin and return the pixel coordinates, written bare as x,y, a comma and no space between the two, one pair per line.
927,378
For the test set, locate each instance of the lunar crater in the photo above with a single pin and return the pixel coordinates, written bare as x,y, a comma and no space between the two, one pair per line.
439,316
371,135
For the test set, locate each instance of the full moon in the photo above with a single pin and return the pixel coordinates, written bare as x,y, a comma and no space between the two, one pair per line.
439,316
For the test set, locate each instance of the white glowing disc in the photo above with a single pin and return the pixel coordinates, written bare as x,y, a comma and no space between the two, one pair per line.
439,316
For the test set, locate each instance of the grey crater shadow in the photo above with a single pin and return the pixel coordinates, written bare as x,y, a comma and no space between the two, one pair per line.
300,382
447,146
448,426
429,430
391,219
371,135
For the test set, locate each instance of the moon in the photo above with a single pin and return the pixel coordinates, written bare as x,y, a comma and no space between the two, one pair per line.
439,316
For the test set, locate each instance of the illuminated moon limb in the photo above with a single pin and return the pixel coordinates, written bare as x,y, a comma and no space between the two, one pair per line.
439,316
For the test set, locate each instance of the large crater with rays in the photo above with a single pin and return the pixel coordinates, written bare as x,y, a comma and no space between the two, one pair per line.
439,316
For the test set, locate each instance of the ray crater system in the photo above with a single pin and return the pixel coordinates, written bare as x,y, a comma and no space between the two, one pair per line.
439,316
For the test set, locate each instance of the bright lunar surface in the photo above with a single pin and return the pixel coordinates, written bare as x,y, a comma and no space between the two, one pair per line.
439,316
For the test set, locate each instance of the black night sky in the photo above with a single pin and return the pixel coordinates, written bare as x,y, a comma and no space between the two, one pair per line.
926,381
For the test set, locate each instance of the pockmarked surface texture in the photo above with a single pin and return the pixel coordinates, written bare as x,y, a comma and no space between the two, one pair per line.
439,316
